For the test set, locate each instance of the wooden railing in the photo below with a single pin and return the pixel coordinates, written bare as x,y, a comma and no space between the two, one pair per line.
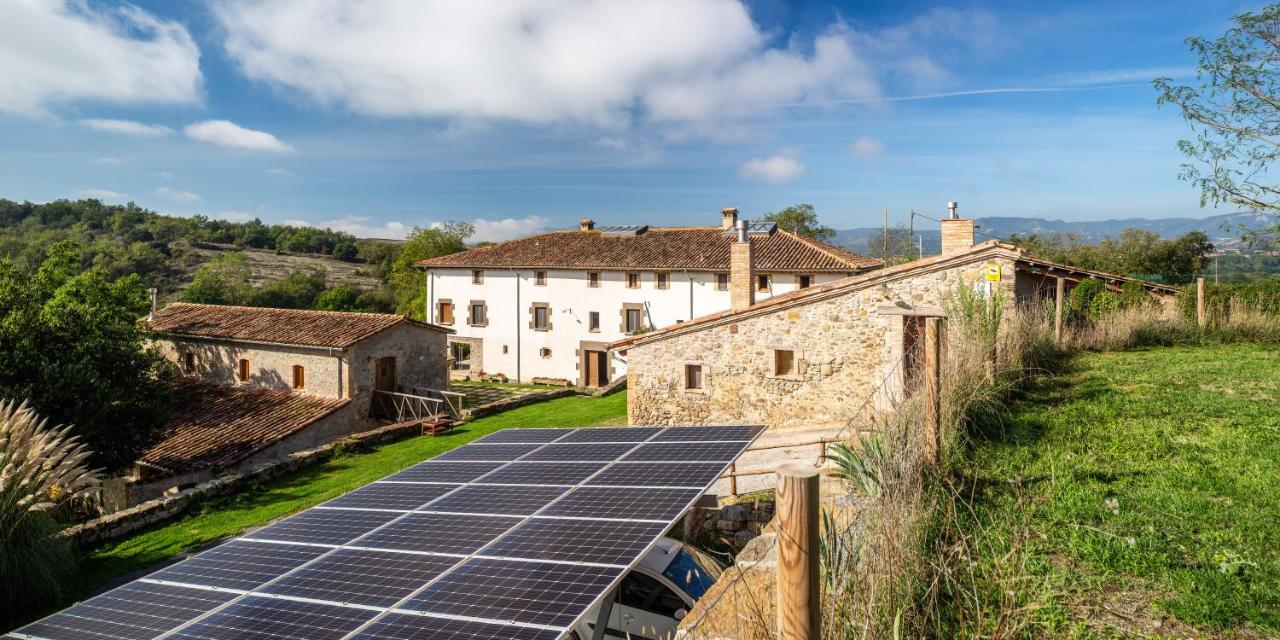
404,407
452,400
734,473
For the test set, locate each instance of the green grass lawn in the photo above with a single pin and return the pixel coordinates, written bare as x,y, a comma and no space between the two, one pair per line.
1150,485
231,515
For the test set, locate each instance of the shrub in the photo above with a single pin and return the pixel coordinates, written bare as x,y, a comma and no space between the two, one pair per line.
43,467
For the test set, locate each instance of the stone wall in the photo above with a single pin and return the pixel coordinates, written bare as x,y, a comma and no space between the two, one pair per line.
271,366
421,361
843,349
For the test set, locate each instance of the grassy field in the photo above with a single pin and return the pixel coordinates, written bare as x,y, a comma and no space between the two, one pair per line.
1144,487
231,515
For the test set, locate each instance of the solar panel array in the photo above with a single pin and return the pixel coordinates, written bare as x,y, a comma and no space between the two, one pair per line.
516,535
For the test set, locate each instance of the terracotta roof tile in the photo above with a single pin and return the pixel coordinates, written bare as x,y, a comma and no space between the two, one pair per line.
284,326
697,248
215,426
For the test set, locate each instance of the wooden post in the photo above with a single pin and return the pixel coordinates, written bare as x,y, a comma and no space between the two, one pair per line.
799,593
1200,315
1059,300
933,389
733,479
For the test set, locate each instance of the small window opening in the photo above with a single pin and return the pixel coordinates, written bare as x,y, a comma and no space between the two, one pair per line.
299,377
693,376
784,362
243,373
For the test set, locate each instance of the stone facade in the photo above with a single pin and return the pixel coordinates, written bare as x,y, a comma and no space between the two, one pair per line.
957,235
841,348
420,355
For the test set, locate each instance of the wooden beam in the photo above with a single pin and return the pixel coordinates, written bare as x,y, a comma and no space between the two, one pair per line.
1200,311
799,587
933,389
1059,301
927,310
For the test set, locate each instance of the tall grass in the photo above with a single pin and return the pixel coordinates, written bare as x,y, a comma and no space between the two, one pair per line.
41,468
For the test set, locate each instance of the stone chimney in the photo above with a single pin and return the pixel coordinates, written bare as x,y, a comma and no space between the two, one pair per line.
742,272
957,232
728,217
587,224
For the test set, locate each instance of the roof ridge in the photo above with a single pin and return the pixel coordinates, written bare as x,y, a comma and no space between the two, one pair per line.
308,311
823,247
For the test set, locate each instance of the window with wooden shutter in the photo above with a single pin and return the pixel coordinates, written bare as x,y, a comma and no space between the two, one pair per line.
243,373
633,280
444,312
299,377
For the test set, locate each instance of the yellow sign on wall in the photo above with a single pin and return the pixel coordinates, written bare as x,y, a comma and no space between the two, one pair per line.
993,273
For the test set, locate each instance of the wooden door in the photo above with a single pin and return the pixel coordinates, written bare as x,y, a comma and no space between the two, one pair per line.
912,351
385,374
597,369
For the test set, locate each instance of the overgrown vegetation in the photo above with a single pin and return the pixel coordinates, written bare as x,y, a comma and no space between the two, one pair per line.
1137,252
43,467
70,343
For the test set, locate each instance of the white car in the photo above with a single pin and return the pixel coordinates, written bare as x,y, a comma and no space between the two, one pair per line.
653,597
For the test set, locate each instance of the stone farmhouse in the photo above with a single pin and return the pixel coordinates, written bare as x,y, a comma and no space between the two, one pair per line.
808,360
262,383
546,307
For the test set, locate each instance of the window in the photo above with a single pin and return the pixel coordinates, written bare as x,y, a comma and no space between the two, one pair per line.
299,377
243,373
693,376
477,314
189,362
633,280
804,282
593,279
762,283
444,312
460,353
477,276
544,352
722,282
634,320
784,362
504,349
662,280
540,278
541,317
593,321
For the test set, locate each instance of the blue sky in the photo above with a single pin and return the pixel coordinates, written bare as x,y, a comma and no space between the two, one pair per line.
379,116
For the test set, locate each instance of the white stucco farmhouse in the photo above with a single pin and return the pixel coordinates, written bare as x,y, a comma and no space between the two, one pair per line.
548,306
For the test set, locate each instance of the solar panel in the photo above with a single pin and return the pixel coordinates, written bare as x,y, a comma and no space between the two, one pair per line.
639,474
239,564
136,611
603,541
560,473
440,471
358,576
516,590
392,495
514,536
272,618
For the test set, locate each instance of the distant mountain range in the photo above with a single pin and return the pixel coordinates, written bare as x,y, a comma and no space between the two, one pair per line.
1221,229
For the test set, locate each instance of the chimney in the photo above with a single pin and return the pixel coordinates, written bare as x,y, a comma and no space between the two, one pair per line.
728,217
154,293
957,232
587,224
742,273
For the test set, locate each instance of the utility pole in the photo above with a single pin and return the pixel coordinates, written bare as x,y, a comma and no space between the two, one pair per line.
886,235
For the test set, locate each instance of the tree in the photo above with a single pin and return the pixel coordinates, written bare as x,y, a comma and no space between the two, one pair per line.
298,290
1234,109
70,342
340,298
407,280
802,220
223,280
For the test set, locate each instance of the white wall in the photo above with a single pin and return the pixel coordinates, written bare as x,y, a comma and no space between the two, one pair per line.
571,300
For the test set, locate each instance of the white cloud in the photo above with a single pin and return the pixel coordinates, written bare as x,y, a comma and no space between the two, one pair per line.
176,195
104,194
234,216
60,51
688,61
865,147
1117,76
508,228
127,127
225,133
776,169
